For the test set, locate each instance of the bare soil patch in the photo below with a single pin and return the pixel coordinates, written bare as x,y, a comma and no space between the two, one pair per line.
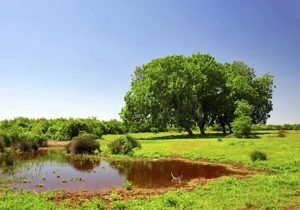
57,144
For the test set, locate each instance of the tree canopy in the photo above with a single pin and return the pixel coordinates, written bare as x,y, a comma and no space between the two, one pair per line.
196,90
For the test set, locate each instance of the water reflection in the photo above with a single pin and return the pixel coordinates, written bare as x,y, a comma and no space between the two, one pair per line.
51,170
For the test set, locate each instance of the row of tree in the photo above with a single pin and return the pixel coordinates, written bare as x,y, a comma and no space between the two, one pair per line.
196,90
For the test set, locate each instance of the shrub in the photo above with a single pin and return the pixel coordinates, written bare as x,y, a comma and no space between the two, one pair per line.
257,155
123,145
241,126
26,146
83,144
281,133
41,140
127,185
115,196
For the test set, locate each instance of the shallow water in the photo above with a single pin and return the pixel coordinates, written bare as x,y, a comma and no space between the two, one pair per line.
45,170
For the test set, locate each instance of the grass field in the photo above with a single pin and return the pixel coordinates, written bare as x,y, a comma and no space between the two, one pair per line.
277,189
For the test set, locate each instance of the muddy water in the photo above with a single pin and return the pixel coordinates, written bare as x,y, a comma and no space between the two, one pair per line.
50,170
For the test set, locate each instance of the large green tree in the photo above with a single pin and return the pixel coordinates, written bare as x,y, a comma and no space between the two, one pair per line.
174,90
188,91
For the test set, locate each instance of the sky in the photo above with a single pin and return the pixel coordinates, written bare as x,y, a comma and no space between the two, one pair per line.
68,58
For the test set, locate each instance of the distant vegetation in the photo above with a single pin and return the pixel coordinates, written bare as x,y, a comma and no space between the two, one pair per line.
20,129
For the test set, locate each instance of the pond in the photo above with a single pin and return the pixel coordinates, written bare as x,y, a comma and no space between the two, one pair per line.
45,170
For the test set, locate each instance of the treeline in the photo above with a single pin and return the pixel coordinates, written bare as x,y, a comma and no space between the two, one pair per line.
39,130
276,127
260,127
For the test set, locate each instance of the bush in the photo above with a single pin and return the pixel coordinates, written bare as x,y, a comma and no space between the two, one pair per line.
123,145
114,196
281,133
83,144
26,146
241,126
257,155
127,185
41,140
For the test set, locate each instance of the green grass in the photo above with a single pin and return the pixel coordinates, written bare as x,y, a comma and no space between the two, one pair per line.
278,189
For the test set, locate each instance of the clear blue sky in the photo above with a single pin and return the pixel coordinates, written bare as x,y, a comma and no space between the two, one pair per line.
74,58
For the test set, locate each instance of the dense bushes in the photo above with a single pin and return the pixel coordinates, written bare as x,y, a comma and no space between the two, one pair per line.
56,129
83,144
123,145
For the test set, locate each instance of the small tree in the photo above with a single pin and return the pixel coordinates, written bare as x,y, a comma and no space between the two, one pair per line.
241,125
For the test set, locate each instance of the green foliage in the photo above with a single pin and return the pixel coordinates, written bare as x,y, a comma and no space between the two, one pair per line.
123,145
127,185
241,125
257,155
83,144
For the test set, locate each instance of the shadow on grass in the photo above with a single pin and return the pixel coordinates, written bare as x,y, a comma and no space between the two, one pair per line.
254,135
185,136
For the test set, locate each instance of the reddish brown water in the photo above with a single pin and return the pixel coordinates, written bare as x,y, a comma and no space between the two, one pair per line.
156,174
42,171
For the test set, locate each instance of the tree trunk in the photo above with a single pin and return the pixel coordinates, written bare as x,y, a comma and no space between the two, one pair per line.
202,129
189,130
223,128
230,128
